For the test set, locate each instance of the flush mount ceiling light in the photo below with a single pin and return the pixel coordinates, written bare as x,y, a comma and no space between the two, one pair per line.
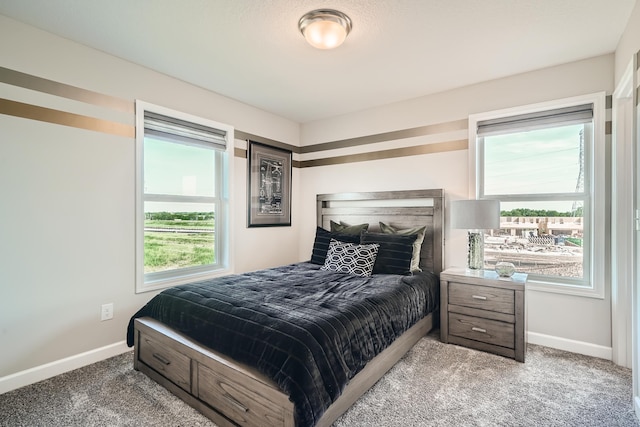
325,28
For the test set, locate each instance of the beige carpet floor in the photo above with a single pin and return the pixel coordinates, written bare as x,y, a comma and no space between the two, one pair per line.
433,385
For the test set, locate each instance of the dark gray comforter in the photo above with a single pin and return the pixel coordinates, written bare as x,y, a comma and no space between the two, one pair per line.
309,330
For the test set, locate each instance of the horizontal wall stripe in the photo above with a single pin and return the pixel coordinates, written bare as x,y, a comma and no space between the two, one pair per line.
388,136
438,147
240,152
34,112
238,134
51,87
452,126
608,102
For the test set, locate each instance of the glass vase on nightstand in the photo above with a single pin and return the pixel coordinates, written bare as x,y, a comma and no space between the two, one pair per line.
505,269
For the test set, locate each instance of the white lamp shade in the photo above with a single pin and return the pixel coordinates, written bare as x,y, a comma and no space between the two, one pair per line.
475,214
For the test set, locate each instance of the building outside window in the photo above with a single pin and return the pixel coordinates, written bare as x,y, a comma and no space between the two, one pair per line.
545,165
183,197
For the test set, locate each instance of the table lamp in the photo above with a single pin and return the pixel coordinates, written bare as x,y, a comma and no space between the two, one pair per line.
475,216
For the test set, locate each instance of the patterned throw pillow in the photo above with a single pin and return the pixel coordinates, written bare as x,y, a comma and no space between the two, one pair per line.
351,258
417,244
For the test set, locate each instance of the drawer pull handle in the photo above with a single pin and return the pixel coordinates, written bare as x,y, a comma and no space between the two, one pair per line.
484,331
479,297
161,359
237,404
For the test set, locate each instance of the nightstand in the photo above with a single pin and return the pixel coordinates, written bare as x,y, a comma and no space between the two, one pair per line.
481,310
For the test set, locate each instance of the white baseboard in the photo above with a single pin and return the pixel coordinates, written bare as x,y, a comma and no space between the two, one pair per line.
573,346
48,370
636,405
43,372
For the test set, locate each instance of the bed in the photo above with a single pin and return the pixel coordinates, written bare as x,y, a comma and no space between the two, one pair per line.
297,344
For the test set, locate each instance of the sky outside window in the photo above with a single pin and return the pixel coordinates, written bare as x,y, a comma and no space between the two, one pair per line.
534,162
178,169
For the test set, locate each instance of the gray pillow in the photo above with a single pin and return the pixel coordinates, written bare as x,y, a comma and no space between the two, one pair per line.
344,228
417,244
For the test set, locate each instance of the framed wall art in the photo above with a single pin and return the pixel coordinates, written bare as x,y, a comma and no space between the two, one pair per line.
269,186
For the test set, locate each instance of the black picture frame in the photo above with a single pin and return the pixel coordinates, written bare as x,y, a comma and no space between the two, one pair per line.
268,186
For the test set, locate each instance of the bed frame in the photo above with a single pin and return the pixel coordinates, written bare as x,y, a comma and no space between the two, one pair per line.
230,393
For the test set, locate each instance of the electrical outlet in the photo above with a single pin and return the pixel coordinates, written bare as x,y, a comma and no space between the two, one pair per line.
107,311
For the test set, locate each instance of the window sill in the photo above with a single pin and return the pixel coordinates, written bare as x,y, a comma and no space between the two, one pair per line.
159,284
557,288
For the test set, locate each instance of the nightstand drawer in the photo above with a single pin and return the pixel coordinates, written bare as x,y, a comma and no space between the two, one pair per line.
485,330
482,297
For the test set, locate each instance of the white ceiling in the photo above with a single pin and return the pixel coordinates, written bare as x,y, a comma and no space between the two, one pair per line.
252,51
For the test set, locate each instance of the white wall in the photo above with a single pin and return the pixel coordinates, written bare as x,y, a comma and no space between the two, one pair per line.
629,43
582,324
67,206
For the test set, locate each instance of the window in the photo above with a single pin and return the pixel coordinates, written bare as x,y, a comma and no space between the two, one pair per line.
545,164
183,219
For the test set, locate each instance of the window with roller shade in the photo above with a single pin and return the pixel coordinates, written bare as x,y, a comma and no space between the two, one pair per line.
541,166
183,206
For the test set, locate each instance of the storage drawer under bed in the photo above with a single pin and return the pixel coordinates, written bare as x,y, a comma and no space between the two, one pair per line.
242,395
172,364
246,405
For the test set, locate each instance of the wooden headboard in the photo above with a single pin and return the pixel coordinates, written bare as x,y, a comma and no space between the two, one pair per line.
401,209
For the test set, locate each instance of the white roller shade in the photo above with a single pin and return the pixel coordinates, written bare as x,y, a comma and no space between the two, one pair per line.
542,119
187,132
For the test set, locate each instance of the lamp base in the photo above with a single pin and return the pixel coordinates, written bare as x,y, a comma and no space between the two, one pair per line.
475,256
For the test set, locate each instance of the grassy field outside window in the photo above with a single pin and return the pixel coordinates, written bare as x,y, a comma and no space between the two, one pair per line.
174,243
